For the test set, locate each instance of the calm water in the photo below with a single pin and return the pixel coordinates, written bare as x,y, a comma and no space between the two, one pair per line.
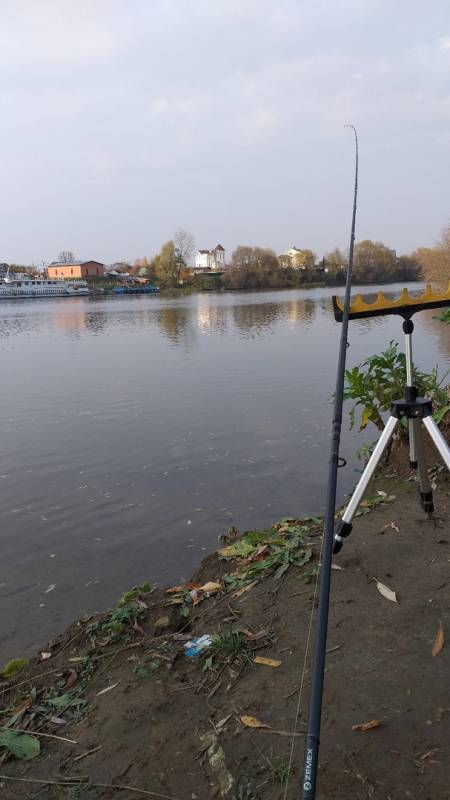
135,430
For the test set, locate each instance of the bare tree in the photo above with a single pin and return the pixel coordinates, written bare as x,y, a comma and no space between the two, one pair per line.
66,256
184,244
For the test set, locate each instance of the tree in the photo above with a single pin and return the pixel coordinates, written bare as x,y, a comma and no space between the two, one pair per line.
66,256
252,268
408,269
184,244
373,261
435,261
335,260
168,264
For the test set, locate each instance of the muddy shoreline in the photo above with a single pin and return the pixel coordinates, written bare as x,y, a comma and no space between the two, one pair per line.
135,715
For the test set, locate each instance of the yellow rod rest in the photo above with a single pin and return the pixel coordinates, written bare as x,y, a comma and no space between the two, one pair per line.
405,304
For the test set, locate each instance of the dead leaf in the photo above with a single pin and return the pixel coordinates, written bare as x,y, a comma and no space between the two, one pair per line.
268,662
162,622
45,656
258,554
367,726
386,592
252,722
72,679
108,689
58,721
211,587
439,641
336,566
176,589
137,628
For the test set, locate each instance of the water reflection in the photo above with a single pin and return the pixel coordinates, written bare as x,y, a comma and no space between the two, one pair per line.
176,322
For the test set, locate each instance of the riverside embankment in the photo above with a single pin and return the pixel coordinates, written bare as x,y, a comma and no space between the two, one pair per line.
136,716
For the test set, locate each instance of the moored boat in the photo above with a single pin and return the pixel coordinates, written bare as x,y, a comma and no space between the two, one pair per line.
15,285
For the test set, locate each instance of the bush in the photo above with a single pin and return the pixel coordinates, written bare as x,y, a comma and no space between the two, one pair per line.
380,379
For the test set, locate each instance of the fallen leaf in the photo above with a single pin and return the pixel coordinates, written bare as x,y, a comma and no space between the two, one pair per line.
268,662
367,726
336,566
45,656
58,721
211,587
386,592
108,689
258,554
439,641
162,622
175,589
71,680
252,722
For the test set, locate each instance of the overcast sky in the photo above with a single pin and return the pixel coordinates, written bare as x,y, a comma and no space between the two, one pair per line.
121,120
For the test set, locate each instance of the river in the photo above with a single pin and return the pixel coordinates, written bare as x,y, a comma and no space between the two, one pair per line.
135,430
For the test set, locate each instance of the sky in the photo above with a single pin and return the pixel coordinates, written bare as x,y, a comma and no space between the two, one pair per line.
123,120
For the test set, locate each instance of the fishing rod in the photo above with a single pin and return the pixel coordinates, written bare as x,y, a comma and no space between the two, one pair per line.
308,785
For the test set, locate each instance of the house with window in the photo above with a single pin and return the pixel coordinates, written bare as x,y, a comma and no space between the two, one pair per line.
210,260
66,270
297,259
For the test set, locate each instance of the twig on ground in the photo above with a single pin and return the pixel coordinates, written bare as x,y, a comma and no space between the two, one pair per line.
88,752
47,735
85,781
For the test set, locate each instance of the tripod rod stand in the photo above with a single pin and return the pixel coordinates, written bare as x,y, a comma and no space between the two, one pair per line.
417,411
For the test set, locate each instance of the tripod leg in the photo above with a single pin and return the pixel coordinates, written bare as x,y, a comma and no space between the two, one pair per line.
439,441
426,495
412,443
345,525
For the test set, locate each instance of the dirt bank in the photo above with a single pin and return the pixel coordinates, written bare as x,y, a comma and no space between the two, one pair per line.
143,715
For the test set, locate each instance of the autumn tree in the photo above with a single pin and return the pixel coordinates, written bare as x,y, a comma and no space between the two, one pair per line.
435,261
373,261
168,264
66,256
252,268
408,268
335,260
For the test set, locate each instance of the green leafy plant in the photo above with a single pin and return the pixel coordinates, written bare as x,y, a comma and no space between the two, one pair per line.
20,745
273,550
13,667
380,379
116,623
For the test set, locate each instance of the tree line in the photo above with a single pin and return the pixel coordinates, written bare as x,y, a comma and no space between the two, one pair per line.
261,268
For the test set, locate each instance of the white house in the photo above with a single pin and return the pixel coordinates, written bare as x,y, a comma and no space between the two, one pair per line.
210,260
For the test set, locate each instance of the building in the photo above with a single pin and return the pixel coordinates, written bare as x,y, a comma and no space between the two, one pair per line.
3,270
75,269
297,259
210,260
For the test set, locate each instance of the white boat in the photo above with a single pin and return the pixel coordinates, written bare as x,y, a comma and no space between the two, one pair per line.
20,285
